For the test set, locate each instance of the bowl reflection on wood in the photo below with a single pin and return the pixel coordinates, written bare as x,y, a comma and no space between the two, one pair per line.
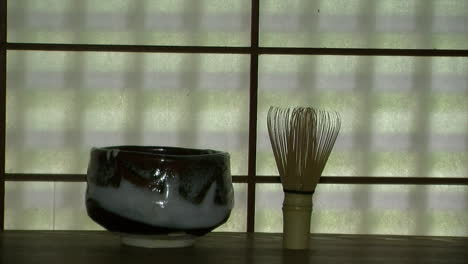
156,196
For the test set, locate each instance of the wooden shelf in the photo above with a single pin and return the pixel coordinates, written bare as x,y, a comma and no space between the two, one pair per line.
102,247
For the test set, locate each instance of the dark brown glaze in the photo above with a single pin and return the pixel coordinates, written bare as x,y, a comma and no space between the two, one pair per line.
150,168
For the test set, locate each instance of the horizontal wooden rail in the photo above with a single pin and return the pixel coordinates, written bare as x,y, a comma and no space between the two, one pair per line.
238,50
365,52
126,48
72,177
265,179
377,180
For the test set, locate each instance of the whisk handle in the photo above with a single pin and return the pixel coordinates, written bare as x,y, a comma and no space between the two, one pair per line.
297,210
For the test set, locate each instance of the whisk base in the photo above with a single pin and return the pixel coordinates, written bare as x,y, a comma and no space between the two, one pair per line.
297,210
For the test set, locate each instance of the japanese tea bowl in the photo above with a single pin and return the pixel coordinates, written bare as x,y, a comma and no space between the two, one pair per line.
159,196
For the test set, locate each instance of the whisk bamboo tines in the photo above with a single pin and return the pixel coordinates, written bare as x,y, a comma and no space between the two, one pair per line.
302,139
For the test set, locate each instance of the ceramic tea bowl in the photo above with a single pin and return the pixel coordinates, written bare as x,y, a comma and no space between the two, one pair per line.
159,196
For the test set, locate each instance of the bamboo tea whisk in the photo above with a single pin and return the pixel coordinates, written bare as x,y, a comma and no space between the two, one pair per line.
302,139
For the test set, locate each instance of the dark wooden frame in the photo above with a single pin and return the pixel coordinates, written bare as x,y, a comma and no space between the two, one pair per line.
3,49
39,177
254,51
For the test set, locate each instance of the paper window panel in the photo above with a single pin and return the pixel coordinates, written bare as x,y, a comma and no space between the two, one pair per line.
401,116
412,24
373,209
237,222
60,104
29,206
137,22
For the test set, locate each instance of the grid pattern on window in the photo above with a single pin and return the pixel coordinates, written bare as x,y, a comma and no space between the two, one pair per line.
102,99
410,24
142,22
373,209
402,116
187,74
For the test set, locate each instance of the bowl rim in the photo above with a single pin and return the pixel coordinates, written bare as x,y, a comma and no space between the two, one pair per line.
142,150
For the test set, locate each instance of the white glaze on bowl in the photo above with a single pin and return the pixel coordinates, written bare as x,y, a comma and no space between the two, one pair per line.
165,209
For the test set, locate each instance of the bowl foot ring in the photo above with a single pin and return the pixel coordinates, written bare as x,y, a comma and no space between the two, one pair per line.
173,240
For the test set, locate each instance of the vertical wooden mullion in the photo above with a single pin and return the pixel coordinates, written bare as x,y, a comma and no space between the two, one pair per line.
253,104
3,39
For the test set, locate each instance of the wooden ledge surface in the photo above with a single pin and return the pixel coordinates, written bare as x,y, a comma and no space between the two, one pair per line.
103,247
